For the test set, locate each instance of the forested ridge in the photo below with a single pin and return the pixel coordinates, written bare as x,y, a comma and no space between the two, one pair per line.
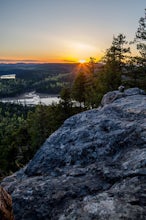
43,78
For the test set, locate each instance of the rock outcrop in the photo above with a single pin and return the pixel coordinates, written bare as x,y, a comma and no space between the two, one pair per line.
6,212
92,167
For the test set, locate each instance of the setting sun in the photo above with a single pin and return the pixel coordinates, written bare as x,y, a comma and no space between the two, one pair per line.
82,61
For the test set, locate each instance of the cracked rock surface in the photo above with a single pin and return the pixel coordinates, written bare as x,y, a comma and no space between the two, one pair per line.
93,167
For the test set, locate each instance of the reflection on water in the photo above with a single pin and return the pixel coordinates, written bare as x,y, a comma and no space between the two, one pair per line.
32,98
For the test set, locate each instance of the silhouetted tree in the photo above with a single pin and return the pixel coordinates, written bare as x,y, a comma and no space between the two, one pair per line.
136,69
114,59
141,37
91,65
117,53
78,89
66,101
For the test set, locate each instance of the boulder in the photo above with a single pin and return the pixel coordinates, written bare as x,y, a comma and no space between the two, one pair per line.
92,167
112,96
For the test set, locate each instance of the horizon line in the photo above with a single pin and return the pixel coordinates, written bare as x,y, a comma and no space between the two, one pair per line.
4,63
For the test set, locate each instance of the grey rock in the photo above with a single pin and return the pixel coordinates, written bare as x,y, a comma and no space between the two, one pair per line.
92,167
134,91
112,96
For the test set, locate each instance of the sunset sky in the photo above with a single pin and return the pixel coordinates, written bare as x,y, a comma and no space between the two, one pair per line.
64,30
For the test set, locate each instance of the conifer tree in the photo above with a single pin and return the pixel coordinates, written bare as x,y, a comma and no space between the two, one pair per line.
114,59
136,70
141,38
78,89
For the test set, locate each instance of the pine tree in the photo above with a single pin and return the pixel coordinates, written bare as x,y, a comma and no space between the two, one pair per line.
78,89
141,38
115,58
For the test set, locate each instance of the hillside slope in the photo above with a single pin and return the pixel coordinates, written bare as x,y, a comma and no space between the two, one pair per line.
93,167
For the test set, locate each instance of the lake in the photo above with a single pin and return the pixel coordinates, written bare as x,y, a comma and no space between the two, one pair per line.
33,98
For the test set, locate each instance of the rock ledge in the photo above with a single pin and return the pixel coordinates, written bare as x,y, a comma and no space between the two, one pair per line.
92,167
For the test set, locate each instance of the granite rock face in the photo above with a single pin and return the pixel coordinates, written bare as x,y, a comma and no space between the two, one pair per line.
92,167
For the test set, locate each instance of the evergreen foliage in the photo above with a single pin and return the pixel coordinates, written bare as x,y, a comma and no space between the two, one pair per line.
23,130
79,87
136,67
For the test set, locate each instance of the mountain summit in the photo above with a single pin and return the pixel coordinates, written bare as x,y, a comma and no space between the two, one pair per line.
92,167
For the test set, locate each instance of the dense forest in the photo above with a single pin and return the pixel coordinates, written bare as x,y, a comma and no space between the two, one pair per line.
23,129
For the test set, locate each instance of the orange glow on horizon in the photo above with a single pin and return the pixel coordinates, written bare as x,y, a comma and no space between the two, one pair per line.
43,59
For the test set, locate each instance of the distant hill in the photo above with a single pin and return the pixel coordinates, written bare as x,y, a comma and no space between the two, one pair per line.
46,78
27,71
43,78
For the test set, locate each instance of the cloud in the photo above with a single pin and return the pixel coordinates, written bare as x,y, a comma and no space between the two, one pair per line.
19,61
69,61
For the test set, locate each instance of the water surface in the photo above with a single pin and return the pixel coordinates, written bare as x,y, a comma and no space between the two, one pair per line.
33,98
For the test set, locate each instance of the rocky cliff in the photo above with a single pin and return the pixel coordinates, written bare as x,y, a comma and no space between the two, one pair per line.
93,167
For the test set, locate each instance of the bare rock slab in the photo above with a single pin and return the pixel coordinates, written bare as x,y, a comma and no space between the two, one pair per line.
92,167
